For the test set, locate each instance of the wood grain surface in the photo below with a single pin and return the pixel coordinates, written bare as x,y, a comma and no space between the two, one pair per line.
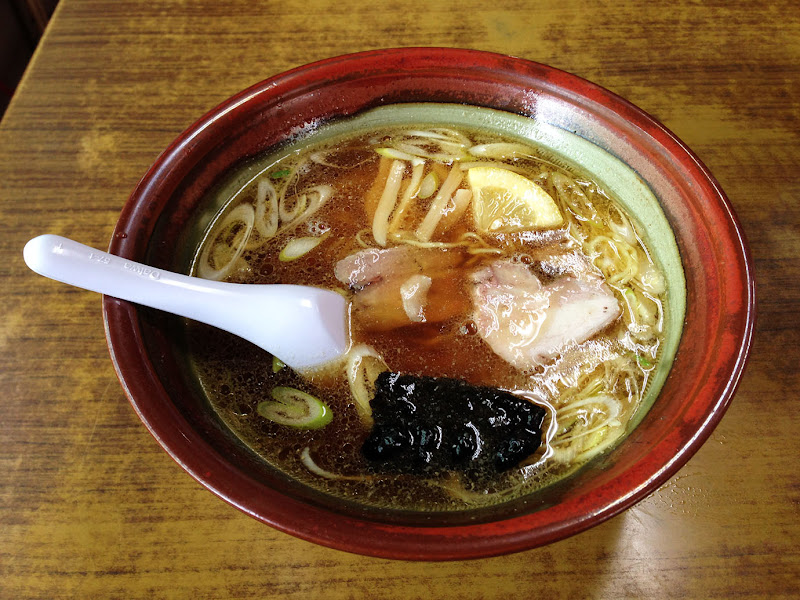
91,507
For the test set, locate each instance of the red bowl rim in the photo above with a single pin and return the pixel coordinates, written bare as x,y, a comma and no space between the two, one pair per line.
316,524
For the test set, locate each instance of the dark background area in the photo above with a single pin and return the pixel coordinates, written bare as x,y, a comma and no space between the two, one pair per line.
22,23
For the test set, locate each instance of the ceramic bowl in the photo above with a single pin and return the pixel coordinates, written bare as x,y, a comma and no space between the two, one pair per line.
688,218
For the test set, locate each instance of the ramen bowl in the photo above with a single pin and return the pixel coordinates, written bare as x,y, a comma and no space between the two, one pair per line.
686,217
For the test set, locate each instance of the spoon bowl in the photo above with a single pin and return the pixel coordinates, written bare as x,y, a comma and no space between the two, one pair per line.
303,326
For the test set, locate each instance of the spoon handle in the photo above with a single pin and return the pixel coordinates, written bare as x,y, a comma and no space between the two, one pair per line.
304,326
71,262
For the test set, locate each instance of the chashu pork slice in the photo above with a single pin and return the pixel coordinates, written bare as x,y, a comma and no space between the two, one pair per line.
528,323
399,286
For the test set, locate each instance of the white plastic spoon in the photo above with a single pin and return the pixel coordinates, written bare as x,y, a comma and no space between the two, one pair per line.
303,326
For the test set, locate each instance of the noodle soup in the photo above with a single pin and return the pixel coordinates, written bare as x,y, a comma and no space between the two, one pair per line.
506,315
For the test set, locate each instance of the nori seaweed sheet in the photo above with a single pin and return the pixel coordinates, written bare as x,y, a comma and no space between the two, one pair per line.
429,425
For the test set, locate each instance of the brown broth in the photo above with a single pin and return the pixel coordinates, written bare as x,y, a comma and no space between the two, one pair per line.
236,376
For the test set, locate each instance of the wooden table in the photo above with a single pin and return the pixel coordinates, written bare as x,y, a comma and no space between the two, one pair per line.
91,507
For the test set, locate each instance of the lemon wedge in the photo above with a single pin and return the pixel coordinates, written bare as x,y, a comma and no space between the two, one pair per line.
504,201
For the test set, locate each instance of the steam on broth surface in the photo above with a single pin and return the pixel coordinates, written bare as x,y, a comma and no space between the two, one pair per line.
469,260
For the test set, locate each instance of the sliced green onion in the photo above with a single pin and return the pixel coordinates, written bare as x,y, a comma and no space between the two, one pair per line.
429,185
643,361
396,154
457,153
500,150
297,247
277,364
234,231
296,409
266,220
280,174
439,133
289,207
364,365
